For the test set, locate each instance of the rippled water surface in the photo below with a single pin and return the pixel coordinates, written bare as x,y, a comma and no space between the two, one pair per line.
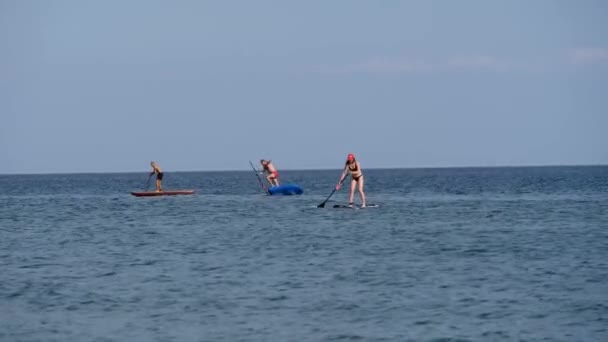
483,254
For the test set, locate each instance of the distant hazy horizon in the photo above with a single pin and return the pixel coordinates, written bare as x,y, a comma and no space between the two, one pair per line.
311,169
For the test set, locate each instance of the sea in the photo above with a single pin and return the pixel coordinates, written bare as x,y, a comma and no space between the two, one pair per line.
449,254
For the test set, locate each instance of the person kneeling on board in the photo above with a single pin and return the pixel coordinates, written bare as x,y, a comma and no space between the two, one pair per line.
353,167
273,174
159,176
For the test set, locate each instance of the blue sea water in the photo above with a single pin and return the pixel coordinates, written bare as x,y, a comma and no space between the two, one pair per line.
469,254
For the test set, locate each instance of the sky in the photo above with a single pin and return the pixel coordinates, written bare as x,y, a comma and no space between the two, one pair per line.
108,86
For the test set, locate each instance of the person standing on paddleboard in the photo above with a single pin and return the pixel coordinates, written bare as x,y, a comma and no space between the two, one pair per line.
353,167
273,174
159,176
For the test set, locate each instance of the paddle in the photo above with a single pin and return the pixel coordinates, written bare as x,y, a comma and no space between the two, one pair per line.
259,179
322,205
148,182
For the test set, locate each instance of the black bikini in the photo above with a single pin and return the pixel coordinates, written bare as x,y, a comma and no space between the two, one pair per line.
355,170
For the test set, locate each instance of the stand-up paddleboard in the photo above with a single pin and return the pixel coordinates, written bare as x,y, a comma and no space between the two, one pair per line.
286,189
162,193
356,206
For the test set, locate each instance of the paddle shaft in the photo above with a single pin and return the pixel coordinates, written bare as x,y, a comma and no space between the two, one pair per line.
259,179
327,199
148,182
322,205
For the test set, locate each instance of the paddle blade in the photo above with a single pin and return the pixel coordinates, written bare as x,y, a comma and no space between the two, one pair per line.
322,205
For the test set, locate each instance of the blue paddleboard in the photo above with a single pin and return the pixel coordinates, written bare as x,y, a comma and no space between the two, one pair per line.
285,189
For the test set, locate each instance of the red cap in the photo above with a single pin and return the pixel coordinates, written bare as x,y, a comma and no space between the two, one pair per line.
350,157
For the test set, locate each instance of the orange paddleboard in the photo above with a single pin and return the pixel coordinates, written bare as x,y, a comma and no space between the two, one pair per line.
162,193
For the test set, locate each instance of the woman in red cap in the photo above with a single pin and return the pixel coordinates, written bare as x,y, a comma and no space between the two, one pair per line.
353,167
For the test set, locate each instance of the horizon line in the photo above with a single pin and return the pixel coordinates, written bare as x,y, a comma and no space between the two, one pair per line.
316,169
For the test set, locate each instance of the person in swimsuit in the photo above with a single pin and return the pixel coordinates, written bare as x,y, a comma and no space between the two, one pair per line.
159,176
273,174
353,167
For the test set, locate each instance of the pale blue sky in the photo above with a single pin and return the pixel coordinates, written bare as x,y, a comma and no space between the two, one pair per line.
209,85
